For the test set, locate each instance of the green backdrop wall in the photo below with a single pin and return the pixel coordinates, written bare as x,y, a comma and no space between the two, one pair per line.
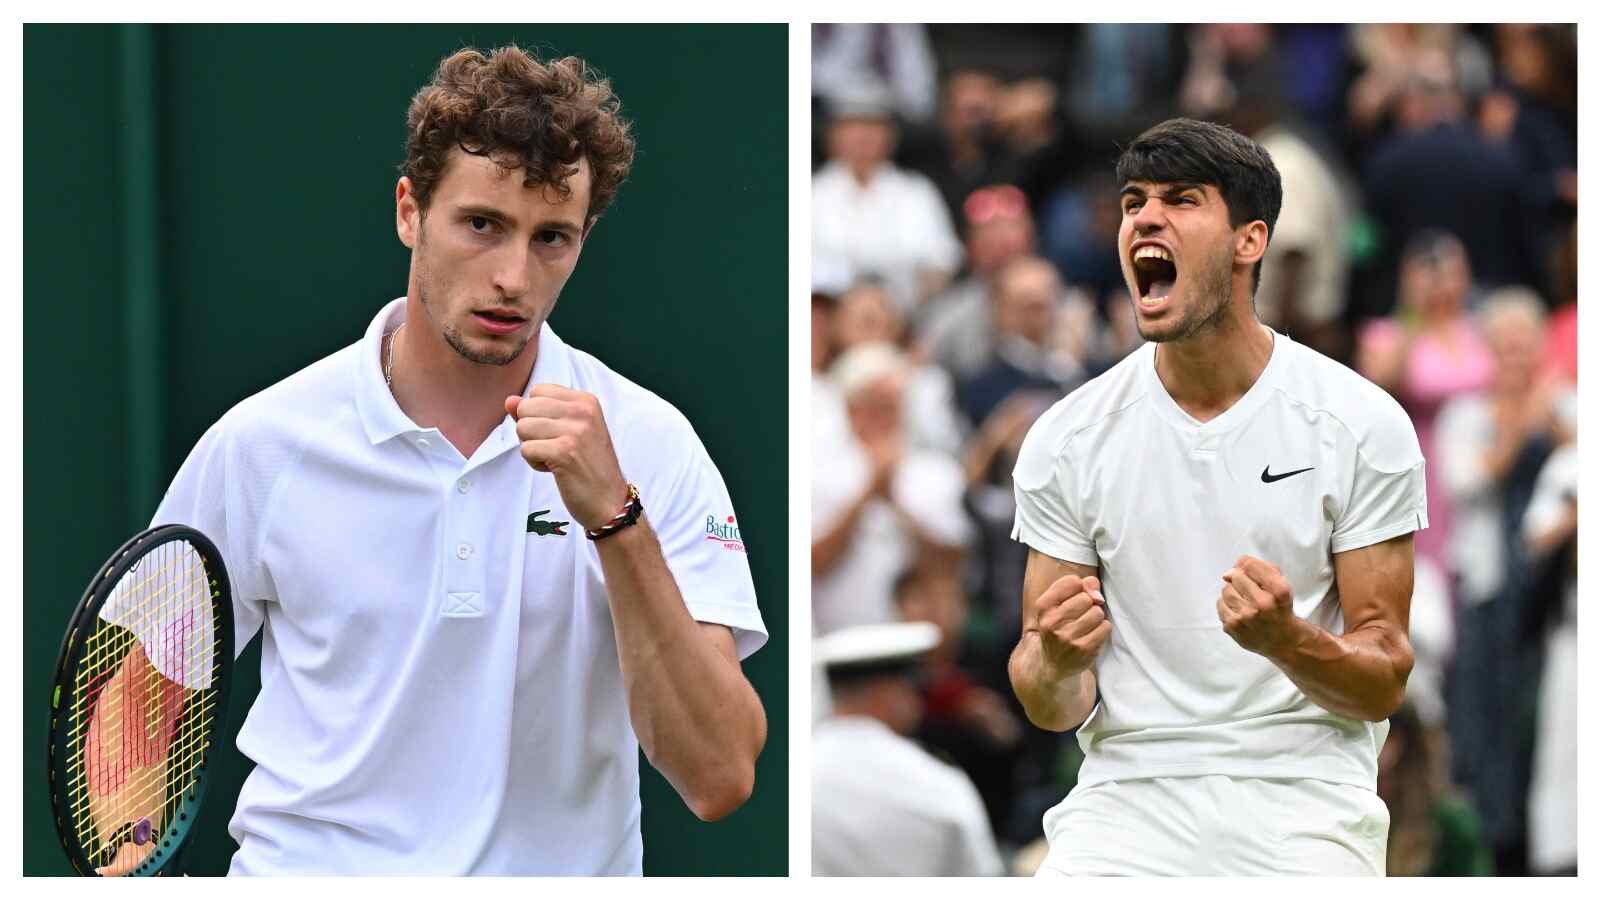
209,209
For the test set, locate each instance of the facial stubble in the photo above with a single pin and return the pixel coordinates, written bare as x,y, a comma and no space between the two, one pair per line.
451,333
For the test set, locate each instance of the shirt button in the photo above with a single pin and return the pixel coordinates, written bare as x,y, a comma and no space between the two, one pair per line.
423,443
463,551
464,485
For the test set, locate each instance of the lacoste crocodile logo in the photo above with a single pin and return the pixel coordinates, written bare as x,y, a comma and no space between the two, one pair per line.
541,526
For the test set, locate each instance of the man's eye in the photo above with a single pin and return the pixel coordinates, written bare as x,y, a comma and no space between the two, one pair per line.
480,224
1131,206
553,238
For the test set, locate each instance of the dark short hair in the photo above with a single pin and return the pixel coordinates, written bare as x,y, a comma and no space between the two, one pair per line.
522,113
1189,150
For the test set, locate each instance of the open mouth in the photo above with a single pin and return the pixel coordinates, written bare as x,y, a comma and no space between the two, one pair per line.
1156,272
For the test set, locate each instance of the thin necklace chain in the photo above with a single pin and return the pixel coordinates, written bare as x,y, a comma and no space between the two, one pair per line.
388,360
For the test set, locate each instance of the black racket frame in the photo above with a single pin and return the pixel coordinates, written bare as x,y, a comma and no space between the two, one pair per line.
166,858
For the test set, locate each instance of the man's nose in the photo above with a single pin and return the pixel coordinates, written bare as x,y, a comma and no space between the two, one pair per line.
1150,216
511,273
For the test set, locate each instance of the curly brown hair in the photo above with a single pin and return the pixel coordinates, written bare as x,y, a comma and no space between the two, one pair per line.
523,114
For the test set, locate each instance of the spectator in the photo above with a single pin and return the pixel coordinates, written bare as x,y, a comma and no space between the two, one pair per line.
896,55
1228,61
1080,235
962,155
886,222
1027,304
1428,354
878,507
1533,113
1480,436
1489,444
1550,528
880,804
1386,55
1439,172
957,328
867,315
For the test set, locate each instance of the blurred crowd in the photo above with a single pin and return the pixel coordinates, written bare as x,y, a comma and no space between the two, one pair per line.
965,277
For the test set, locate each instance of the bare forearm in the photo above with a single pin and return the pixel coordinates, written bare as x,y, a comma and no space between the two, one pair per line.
1361,674
697,718
1053,701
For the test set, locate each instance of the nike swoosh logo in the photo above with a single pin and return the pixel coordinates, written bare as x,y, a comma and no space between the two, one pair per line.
1268,478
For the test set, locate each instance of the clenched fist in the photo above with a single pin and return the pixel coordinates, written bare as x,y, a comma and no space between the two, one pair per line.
563,432
1257,607
1072,623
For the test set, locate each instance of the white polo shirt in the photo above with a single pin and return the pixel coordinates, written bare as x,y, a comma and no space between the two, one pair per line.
1119,476
440,691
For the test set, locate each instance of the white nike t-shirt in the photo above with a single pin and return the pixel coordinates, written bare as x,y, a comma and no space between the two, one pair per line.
1312,461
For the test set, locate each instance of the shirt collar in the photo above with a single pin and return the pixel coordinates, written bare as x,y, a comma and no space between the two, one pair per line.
381,416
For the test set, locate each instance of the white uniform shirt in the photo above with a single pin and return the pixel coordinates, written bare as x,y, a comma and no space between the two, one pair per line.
881,805
440,691
1118,475
893,228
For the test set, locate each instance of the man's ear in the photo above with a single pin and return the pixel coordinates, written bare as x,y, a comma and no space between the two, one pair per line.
1250,242
407,214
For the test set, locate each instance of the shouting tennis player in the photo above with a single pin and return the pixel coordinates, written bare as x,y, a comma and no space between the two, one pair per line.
480,559
1220,565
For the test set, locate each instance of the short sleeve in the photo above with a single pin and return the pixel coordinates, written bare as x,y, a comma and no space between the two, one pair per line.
1048,500
700,537
212,494
1387,495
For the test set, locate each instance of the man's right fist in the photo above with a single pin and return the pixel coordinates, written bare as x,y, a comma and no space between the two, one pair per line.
1072,623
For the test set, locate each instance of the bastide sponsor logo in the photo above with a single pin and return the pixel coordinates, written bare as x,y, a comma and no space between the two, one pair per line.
725,533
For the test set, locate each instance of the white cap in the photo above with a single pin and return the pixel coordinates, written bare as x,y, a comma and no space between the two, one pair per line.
867,645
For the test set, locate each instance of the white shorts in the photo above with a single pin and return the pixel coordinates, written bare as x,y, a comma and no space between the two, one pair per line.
1217,825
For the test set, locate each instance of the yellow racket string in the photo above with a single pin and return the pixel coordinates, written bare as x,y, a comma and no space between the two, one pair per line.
131,780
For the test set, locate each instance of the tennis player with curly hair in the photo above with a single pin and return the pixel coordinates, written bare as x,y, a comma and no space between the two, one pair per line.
487,569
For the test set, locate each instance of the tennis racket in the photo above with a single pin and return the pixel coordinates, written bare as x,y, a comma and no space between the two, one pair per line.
140,694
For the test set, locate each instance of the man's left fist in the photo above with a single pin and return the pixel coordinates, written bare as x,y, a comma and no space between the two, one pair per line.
563,432
1257,607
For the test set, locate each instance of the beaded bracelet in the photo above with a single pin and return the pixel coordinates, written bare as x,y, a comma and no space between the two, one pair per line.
628,516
